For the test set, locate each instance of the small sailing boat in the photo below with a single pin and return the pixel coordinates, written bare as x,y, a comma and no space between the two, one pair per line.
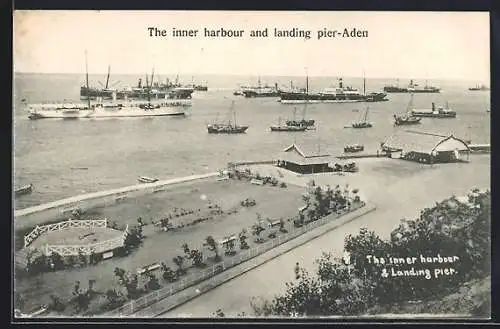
408,118
363,123
281,128
227,128
309,124
27,189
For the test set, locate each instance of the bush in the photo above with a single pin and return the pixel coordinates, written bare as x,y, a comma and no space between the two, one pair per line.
353,285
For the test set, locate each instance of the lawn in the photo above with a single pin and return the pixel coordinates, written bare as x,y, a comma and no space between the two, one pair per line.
197,199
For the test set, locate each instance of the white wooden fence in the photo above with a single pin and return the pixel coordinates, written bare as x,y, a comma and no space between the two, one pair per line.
75,250
39,230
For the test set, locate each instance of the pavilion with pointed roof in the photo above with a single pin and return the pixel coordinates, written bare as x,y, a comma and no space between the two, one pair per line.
305,160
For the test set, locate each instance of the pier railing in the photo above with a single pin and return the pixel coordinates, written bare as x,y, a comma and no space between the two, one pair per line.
39,230
244,255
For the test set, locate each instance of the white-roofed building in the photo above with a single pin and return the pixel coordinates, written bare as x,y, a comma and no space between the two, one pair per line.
426,148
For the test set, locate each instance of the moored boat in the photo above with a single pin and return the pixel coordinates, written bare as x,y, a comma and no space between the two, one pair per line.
340,94
261,91
411,88
442,112
27,189
63,111
59,112
227,128
479,88
354,148
145,179
144,109
290,128
363,123
285,128
408,118
308,123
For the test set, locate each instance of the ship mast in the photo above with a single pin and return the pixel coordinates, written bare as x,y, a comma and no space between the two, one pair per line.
107,78
364,83
87,79
410,104
234,113
150,85
366,114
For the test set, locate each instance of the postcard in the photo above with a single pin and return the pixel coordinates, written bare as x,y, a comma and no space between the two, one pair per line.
239,164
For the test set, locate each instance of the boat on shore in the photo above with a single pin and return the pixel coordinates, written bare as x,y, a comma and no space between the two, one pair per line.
145,179
227,128
23,190
442,112
479,88
408,118
411,88
340,94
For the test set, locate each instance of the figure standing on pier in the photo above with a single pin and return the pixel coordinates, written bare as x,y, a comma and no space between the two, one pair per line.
297,271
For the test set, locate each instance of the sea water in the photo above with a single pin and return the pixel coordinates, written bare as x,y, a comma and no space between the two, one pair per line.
62,158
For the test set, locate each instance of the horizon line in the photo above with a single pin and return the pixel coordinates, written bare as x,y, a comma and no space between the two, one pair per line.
260,75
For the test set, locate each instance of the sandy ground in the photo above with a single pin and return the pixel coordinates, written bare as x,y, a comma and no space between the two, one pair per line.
163,246
398,188
76,236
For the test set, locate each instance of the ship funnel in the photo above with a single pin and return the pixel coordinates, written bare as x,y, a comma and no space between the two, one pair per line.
139,84
433,106
340,83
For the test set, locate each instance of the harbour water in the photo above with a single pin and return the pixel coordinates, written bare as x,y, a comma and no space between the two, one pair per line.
62,158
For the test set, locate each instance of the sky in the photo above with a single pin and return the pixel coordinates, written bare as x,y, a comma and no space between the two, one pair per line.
430,45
